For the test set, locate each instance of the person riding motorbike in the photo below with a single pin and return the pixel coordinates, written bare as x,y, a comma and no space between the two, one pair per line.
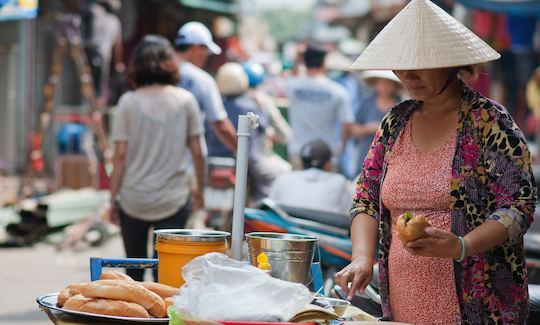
315,187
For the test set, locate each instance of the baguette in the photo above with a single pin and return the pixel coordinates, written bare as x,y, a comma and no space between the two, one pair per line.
161,290
115,275
63,296
130,291
106,307
68,292
168,302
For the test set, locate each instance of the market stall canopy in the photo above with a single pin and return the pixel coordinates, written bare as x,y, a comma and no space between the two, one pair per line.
512,7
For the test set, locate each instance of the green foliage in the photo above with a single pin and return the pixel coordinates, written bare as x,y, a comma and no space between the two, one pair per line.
285,24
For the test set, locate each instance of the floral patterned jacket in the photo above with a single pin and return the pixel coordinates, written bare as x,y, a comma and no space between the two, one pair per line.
491,180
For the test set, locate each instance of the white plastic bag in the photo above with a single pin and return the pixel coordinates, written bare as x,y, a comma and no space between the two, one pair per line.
220,288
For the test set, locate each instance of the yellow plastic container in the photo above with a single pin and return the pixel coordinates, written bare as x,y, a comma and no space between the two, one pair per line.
177,247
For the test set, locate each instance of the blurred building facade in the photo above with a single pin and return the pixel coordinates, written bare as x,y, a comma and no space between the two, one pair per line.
243,28
26,47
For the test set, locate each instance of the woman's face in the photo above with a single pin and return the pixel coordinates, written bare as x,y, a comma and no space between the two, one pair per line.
424,84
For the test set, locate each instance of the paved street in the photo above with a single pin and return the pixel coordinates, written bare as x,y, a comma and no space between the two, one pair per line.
29,272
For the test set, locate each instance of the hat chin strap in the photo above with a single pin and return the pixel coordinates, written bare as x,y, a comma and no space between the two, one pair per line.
451,77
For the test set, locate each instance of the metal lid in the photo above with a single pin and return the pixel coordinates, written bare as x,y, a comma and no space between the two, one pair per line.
280,236
192,235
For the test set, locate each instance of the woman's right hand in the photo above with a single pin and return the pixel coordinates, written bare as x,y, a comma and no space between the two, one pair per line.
358,273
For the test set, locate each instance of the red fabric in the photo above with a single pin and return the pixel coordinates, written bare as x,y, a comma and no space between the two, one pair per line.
36,156
481,83
492,28
483,23
104,181
502,34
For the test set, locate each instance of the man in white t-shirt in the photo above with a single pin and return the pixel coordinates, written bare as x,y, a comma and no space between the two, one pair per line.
316,187
193,46
318,107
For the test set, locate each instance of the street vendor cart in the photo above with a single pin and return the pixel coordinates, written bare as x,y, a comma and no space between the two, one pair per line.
284,256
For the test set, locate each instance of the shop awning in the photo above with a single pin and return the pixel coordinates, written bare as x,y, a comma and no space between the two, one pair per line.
512,7
222,6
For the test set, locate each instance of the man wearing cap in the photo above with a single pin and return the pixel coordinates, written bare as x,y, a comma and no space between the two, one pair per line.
458,159
193,46
317,107
316,187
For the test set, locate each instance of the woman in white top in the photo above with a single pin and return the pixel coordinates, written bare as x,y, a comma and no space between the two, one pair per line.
155,129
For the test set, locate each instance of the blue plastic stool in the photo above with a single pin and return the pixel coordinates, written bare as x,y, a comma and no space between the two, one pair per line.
96,265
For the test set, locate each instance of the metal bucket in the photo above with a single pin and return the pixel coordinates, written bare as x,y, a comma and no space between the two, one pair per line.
289,255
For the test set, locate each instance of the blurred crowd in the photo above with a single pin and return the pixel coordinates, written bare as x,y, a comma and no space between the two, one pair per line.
324,116
176,101
316,123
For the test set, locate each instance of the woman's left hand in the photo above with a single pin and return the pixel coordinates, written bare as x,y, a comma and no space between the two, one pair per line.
440,243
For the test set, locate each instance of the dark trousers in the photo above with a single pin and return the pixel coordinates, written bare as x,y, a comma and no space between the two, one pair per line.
95,61
135,235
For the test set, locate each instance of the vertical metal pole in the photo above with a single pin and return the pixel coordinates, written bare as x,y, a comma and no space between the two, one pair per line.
28,115
245,124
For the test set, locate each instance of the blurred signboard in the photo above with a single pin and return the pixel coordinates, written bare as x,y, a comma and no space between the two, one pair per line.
18,9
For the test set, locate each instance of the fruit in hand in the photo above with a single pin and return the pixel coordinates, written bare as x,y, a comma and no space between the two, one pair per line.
411,227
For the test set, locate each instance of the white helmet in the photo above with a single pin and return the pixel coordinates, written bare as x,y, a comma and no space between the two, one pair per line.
232,80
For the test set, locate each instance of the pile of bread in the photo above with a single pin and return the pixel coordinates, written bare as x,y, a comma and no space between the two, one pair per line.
117,294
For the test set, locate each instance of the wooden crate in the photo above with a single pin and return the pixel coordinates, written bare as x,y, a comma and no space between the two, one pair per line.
73,171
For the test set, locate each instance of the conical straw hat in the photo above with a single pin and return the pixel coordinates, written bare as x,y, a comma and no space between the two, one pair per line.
423,36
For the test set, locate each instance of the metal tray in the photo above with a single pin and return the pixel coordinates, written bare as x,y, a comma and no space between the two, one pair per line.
48,302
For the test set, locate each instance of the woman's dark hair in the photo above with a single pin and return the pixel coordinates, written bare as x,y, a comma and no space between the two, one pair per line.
468,71
153,62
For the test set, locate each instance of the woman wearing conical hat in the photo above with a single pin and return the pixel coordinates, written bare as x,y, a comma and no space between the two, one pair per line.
457,158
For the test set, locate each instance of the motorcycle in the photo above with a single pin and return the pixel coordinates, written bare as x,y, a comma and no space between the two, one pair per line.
219,192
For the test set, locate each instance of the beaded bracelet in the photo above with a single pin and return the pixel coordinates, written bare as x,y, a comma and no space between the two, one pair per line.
463,250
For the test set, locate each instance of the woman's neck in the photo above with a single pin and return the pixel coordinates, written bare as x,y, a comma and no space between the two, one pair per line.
446,101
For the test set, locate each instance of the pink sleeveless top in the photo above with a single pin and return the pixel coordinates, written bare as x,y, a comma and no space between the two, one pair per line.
421,289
